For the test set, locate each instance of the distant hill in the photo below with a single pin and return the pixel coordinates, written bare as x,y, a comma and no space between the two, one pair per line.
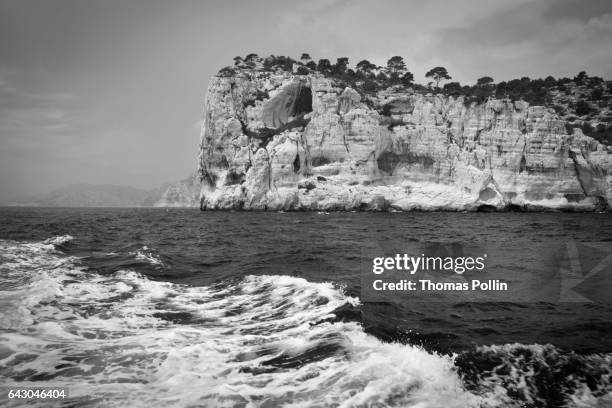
89,195
94,195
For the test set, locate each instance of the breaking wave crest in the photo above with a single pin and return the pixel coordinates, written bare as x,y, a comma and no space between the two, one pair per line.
126,340
148,255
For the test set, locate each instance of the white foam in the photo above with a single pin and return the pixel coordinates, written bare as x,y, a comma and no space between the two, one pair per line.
62,239
521,368
135,342
148,255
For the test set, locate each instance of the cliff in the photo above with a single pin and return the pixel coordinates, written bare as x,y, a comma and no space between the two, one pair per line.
183,194
280,141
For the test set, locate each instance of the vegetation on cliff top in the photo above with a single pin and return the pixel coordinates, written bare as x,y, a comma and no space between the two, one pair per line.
583,101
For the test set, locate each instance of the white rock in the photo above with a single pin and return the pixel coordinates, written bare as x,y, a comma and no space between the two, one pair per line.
430,152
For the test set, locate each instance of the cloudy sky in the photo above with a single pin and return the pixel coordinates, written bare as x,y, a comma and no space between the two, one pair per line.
111,91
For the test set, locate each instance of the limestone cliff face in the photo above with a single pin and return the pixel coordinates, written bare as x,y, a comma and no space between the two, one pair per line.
277,141
184,193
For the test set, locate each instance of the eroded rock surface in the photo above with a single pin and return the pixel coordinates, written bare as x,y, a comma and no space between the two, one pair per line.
184,193
277,141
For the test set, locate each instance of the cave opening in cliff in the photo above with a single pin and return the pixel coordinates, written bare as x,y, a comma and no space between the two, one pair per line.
303,102
296,163
289,105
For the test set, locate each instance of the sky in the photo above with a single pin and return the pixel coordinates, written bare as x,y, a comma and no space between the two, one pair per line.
111,91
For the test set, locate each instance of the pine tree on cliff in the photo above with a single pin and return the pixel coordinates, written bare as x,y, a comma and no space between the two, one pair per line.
550,81
396,67
324,65
407,78
306,59
365,68
484,81
581,77
340,66
438,74
251,60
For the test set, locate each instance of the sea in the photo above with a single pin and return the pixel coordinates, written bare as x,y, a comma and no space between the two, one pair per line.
181,308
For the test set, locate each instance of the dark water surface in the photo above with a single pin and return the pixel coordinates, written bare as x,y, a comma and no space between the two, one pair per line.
190,308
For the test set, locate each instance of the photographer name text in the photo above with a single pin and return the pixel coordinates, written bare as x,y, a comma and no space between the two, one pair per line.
410,265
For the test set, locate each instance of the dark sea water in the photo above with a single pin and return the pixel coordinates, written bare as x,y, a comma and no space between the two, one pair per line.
182,308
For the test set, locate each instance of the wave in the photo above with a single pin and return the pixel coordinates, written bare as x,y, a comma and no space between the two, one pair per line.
126,340
59,240
148,255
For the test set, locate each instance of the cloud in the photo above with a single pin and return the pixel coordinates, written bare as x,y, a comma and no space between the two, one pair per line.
25,111
470,37
15,94
530,40
576,9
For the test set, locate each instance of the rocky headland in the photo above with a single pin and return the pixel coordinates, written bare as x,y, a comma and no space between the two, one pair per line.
300,138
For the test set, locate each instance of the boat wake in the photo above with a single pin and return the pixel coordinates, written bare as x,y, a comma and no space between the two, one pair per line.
126,340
